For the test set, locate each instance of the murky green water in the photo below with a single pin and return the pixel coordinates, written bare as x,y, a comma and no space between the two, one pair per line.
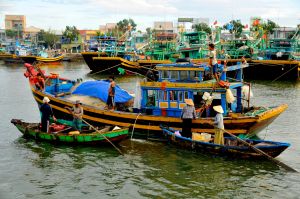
30,169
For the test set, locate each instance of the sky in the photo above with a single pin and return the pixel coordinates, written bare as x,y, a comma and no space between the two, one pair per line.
89,14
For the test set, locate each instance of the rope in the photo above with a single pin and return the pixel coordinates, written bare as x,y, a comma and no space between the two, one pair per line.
134,125
284,73
106,69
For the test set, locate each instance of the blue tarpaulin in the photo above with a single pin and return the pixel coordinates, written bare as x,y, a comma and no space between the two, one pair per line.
99,89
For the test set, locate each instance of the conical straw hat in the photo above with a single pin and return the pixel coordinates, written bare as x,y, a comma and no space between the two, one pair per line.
189,102
218,109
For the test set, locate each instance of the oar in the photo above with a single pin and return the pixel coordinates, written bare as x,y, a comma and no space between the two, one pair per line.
103,136
263,153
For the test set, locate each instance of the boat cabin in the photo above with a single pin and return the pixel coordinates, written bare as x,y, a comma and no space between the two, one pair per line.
180,81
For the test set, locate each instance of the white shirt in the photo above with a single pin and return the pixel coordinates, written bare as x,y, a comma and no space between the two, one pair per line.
213,56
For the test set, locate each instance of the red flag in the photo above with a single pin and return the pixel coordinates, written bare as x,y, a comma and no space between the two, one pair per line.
255,22
246,26
215,22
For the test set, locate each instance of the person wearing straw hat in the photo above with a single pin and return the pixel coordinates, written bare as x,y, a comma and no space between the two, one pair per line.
46,112
219,124
77,112
187,115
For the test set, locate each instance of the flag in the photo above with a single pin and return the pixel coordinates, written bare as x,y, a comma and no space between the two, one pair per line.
256,22
215,22
229,26
245,26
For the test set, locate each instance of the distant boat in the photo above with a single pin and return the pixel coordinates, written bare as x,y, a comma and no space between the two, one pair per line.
230,148
30,59
68,135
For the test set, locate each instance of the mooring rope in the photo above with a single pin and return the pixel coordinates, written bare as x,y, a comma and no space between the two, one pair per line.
134,125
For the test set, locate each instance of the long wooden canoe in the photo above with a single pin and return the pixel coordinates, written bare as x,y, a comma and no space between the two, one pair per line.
31,130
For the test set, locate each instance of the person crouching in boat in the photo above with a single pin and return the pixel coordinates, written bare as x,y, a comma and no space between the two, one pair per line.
46,112
77,112
40,82
219,123
213,60
187,115
111,94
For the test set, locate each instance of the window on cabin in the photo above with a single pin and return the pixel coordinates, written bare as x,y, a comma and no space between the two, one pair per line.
174,95
184,75
174,74
180,96
151,98
162,95
194,75
186,95
165,74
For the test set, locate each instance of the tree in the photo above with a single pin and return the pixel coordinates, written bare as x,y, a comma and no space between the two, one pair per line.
124,25
235,27
50,38
11,33
71,33
202,27
269,27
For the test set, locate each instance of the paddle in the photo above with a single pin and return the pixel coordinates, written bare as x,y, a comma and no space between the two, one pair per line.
97,131
263,153
103,136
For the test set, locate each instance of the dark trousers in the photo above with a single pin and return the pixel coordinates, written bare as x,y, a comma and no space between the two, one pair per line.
45,123
187,128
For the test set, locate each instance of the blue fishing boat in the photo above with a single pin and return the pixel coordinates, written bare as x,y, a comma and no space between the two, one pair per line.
230,148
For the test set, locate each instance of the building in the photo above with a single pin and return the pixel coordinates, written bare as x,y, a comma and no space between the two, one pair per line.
283,33
15,22
107,28
163,26
88,35
186,24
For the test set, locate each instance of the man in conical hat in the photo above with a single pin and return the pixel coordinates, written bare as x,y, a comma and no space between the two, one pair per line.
219,123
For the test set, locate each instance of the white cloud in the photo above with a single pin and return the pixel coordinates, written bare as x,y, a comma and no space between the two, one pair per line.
91,13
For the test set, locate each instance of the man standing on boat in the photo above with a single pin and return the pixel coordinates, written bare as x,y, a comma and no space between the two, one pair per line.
46,112
77,112
187,115
111,94
213,60
219,123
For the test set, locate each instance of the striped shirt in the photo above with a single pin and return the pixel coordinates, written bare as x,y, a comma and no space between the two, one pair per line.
188,112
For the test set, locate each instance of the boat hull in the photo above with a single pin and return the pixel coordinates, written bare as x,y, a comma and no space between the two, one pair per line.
82,139
271,148
148,125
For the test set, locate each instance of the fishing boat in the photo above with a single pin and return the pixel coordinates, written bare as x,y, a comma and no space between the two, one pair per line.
31,59
230,148
67,134
161,102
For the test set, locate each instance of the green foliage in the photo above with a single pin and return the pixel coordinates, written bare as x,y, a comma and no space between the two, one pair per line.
237,28
49,38
124,25
71,33
11,33
269,26
202,27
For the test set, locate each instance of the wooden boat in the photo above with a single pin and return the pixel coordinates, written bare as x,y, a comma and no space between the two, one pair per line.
147,119
7,56
50,59
231,147
32,130
31,59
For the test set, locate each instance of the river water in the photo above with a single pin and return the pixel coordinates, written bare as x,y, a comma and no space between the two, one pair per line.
30,169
